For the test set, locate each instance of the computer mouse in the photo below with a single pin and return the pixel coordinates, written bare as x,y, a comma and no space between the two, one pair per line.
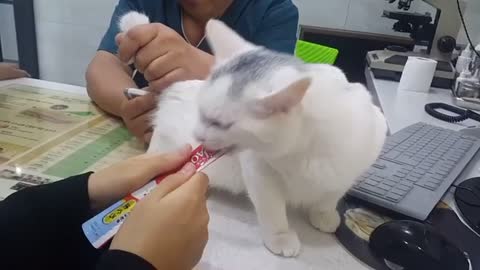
411,245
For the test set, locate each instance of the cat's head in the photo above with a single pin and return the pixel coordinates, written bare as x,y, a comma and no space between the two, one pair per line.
252,98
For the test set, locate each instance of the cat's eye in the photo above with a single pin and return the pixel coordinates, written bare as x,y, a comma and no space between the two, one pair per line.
219,125
215,123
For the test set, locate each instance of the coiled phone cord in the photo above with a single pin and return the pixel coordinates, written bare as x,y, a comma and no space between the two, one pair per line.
461,114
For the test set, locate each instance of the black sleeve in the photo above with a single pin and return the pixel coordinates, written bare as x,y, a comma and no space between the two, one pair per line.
121,260
40,227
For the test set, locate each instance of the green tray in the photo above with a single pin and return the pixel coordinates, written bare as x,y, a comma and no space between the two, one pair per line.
314,53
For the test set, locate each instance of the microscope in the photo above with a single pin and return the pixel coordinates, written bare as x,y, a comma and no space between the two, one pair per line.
435,34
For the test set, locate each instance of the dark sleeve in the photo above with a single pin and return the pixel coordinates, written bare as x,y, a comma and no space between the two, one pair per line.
108,41
40,227
278,30
121,260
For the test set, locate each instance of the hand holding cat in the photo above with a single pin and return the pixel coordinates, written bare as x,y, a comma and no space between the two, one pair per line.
162,55
136,115
11,71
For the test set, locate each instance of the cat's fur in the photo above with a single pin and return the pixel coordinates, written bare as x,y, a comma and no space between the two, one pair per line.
301,133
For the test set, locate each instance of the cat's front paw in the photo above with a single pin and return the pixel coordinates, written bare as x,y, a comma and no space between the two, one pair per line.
325,221
283,244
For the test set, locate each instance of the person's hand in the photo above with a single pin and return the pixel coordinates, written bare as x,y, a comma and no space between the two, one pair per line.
115,182
169,227
162,55
137,115
11,71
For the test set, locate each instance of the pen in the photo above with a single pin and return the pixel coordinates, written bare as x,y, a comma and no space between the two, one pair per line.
132,93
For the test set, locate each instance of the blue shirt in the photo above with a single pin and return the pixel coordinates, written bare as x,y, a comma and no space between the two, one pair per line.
269,23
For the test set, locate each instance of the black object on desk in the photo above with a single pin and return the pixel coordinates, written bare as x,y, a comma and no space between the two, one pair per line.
460,114
467,198
416,246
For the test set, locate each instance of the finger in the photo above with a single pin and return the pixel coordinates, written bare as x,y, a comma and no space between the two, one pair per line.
17,73
160,67
173,181
119,38
156,164
135,39
149,53
167,80
148,137
141,125
139,106
195,189
24,73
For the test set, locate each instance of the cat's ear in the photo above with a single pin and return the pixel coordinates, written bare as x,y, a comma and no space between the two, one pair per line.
224,42
284,100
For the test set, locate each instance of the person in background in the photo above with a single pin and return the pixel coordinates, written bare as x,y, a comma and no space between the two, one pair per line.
41,226
11,71
173,48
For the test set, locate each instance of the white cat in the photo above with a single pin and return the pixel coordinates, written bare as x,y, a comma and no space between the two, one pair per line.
299,134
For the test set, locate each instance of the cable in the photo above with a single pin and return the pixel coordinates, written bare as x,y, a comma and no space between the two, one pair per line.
466,30
461,114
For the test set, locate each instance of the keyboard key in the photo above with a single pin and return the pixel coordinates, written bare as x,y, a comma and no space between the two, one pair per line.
390,183
377,178
407,160
404,187
380,165
423,166
412,178
371,182
399,191
372,189
407,183
397,179
419,171
431,186
384,187
414,174
392,154
393,197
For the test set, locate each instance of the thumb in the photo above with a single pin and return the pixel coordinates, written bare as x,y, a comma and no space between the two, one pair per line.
174,181
119,38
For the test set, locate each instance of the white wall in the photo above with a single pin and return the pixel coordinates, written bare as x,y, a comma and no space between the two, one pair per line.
7,33
353,15
68,34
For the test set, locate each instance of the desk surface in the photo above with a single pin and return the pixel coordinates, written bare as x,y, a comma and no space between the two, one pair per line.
234,238
403,108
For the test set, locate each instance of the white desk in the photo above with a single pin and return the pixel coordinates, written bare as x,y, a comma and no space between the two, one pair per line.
235,243
403,108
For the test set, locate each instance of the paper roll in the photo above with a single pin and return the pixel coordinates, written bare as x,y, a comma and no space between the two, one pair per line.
417,74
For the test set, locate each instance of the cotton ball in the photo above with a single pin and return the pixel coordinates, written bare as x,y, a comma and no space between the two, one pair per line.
129,21
132,19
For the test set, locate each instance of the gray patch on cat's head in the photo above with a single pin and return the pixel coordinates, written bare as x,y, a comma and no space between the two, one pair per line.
253,66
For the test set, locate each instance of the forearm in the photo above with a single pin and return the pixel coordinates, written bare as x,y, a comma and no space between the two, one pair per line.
106,78
41,226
